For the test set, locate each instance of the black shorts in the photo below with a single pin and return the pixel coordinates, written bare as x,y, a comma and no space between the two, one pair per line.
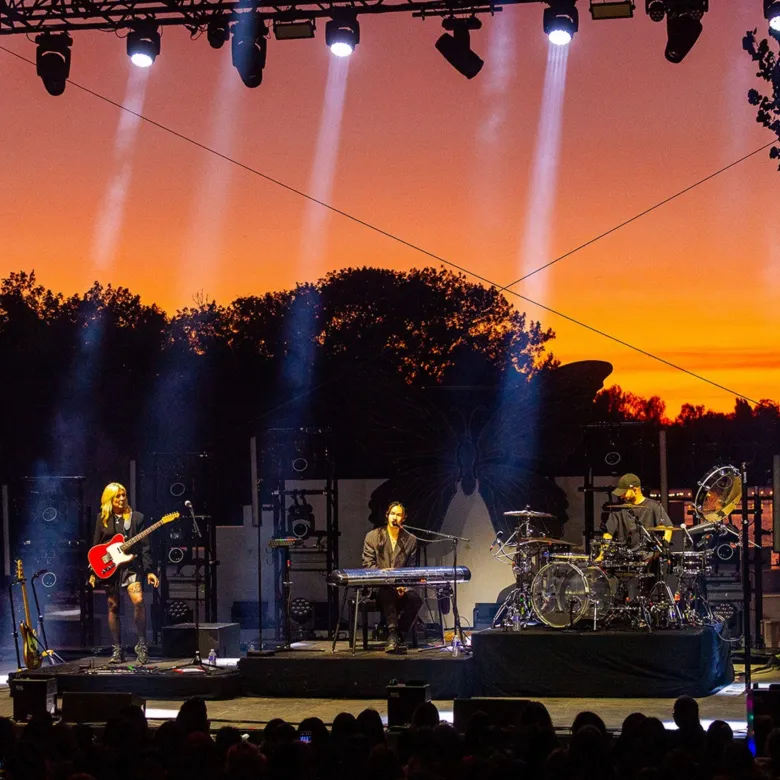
120,581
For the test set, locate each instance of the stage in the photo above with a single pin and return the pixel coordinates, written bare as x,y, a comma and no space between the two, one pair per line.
160,679
535,662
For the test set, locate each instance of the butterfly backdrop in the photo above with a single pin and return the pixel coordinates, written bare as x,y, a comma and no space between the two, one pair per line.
506,443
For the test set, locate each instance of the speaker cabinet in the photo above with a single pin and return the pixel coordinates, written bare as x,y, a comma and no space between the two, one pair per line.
403,699
33,696
179,641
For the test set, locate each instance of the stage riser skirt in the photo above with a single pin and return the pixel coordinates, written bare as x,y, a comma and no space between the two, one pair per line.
611,664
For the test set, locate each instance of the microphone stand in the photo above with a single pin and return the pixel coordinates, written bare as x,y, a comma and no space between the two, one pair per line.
196,661
50,654
454,539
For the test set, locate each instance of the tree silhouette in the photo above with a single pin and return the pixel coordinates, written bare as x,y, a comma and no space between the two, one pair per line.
767,105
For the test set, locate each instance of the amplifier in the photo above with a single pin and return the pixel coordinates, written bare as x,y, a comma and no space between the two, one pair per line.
403,699
484,613
725,598
179,641
33,696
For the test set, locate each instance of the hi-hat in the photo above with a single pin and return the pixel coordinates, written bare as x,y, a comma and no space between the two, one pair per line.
526,513
617,507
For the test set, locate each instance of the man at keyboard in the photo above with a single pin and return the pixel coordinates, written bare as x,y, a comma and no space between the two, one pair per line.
391,547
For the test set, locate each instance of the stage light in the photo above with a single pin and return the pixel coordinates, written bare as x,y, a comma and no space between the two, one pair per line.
143,45
301,609
249,49
217,32
456,48
683,27
342,34
772,13
561,21
52,60
656,10
611,9
291,31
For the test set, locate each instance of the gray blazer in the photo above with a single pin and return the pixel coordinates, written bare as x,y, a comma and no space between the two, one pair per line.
378,551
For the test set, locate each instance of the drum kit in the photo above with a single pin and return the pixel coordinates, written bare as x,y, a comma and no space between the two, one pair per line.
557,584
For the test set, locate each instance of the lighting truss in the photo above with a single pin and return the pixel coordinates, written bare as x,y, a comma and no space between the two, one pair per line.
30,17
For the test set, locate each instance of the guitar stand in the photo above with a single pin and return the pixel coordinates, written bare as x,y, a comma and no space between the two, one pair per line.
15,631
52,657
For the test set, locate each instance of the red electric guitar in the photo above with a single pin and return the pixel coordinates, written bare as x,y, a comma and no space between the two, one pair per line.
104,558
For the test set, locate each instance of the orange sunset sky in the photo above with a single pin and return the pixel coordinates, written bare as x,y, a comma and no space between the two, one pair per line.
87,192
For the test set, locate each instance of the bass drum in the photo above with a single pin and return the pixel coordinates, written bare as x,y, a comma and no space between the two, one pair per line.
563,594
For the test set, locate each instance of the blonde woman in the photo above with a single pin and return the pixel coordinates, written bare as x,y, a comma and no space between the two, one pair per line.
116,517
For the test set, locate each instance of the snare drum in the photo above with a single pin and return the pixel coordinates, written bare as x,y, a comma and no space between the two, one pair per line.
691,563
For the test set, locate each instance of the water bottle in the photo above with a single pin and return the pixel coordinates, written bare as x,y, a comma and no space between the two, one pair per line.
455,646
212,657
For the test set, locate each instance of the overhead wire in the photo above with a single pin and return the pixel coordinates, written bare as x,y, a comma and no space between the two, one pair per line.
421,250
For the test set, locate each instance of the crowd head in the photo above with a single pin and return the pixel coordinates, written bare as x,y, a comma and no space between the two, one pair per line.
527,747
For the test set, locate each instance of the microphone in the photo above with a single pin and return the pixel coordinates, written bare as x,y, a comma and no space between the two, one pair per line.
685,528
188,504
40,572
497,540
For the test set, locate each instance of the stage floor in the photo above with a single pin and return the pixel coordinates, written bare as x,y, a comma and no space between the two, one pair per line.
254,712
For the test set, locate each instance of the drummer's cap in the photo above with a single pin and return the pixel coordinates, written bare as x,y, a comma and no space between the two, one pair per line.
627,481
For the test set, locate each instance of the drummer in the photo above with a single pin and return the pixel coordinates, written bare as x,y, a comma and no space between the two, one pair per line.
622,525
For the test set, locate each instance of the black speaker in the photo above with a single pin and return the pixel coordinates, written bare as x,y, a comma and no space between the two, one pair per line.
776,503
179,478
179,640
33,696
403,699
767,702
725,599
81,707
294,453
624,447
485,613
500,711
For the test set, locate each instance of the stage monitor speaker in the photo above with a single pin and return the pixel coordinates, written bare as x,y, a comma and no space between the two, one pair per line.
33,696
178,641
499,711
82,707
403,699
485,613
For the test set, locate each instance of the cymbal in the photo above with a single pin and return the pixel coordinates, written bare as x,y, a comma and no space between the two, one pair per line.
526,513
543,540
665,528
